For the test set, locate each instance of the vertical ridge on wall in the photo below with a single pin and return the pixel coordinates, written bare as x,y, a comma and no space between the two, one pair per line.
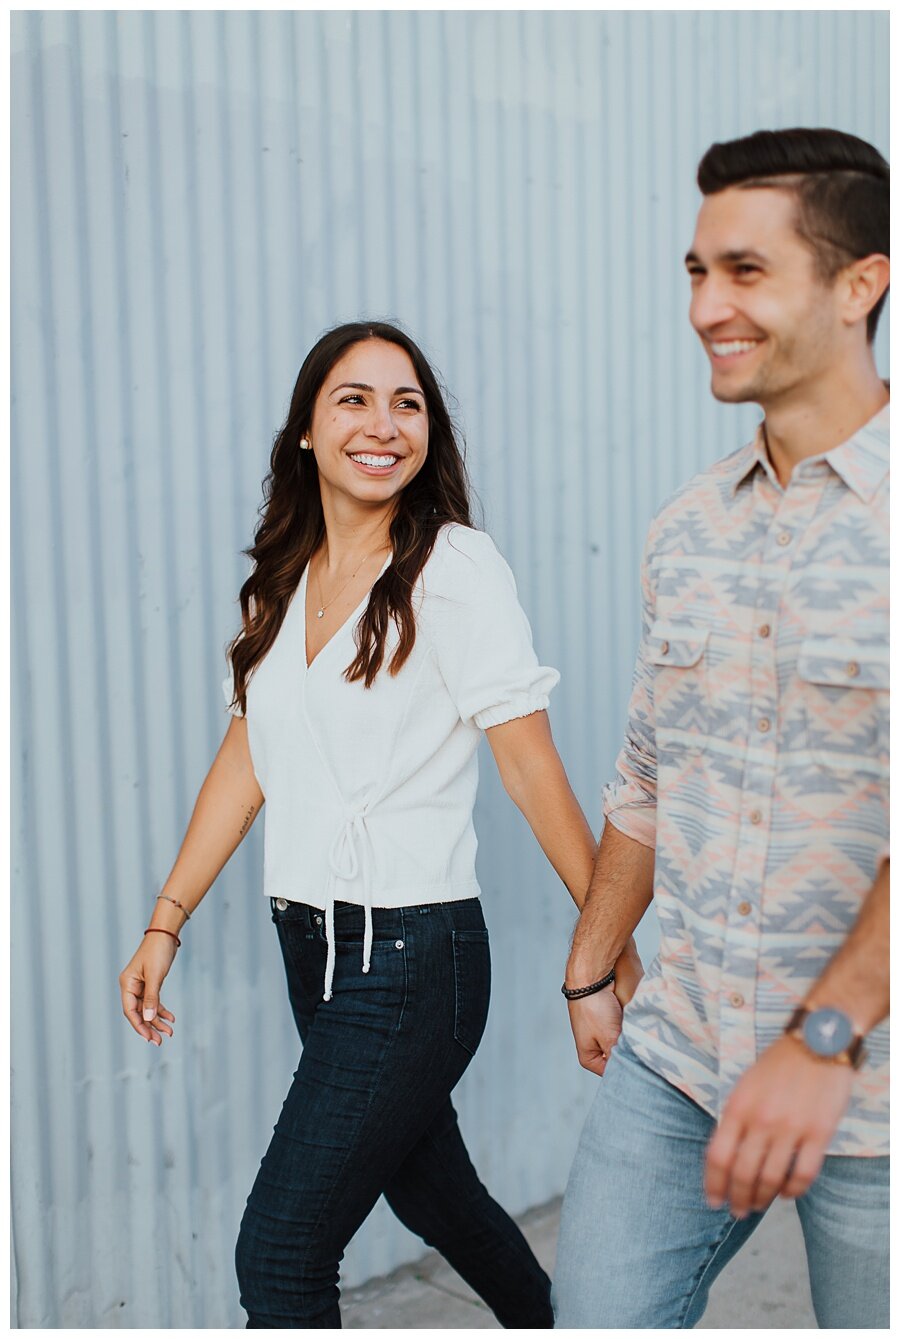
196,196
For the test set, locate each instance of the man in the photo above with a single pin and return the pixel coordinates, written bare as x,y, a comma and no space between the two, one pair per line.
751,798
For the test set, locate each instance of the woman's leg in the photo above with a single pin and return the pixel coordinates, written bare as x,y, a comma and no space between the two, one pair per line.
379,1062
436,1193
316,1183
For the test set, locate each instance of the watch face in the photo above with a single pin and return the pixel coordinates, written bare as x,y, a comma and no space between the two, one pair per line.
827,1031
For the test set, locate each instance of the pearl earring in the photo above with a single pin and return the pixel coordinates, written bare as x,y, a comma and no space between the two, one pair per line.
305,444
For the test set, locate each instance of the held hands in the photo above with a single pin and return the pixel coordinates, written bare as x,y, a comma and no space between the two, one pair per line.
629,970
596,1023
596,1020
140,983
775,1128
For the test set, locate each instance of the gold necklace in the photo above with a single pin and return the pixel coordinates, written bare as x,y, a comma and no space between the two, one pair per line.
323,604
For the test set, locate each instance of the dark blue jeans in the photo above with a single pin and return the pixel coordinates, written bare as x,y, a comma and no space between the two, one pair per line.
369,1113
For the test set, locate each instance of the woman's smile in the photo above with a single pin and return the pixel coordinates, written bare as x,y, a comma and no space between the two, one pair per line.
376,462
370,422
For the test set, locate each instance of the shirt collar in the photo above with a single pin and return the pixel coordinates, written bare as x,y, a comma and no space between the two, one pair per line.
749,457
861,462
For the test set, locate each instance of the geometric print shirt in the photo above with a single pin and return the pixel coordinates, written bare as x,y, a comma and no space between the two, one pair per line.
756,758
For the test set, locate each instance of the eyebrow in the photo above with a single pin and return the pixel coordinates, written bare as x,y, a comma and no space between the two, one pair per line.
729,257
361,386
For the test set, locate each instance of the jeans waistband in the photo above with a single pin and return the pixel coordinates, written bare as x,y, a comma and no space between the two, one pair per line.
463,914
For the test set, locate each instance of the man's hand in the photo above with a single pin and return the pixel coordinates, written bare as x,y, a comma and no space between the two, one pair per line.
775,1128
596,1023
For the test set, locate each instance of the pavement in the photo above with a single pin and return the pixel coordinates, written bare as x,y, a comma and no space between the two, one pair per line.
764,1287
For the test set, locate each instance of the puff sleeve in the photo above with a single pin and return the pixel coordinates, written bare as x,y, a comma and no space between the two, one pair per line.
231,707
480,634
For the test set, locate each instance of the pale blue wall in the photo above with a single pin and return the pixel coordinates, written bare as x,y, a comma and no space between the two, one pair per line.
195,197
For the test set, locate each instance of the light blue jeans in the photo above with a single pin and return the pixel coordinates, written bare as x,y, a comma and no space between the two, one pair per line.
639,1247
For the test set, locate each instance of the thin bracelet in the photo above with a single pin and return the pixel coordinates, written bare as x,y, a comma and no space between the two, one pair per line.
175,903
158,930
580,993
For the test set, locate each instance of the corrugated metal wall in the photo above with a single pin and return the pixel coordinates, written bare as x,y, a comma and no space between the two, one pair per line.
195,197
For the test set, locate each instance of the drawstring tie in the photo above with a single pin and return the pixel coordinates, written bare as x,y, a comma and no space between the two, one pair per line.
344,860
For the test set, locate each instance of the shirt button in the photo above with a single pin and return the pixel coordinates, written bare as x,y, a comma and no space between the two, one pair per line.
664,649
784,538
853,669
763,725
755,816
744,908
737,1001
318,920
281,904
764,630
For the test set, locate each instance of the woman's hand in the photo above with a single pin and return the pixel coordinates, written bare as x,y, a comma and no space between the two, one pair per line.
229,800
139,984
629,970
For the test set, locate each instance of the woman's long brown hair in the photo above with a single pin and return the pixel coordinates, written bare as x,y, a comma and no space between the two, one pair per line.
292,525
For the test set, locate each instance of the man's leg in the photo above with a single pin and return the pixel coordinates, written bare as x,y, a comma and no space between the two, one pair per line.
639,1246
845,1222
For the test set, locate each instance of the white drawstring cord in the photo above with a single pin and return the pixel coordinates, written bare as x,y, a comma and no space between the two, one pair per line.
345,843
329,940
367,932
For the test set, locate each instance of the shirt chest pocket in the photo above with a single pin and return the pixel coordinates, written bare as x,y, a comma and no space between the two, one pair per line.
844,684
678,654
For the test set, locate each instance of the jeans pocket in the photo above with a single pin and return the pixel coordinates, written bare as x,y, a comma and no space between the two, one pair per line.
472,977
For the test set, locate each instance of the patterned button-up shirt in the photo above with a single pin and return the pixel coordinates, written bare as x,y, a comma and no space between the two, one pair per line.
756,758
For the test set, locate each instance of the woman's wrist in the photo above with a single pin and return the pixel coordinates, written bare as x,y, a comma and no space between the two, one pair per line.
629,952
167,916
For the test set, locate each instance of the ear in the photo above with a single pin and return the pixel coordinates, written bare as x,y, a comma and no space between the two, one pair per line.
864,282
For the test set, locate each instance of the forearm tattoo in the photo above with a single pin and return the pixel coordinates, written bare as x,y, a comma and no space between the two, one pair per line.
246,823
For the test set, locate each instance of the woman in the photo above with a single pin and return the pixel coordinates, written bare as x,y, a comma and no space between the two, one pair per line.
381,634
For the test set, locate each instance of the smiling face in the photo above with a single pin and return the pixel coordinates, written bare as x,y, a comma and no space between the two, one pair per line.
369,428
770,325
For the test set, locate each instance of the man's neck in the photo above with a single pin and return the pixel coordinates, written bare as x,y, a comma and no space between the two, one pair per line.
823,417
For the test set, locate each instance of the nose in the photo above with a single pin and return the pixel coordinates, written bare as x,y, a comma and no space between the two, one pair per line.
711,304
381,423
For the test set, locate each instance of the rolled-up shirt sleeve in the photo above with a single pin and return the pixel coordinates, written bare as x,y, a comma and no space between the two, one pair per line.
481,635
629,802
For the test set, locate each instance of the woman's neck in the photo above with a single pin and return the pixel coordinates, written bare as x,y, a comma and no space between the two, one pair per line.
352,533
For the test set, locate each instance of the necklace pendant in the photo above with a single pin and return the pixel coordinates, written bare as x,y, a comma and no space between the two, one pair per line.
320,613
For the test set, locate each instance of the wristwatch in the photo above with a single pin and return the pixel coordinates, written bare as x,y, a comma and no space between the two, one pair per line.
828,1034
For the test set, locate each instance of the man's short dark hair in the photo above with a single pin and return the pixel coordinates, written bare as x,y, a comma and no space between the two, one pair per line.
842,186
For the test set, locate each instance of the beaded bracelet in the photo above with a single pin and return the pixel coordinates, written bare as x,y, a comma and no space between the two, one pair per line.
580,993
158,930
175,903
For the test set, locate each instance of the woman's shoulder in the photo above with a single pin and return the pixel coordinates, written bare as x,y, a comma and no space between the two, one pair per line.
462,554
466,571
